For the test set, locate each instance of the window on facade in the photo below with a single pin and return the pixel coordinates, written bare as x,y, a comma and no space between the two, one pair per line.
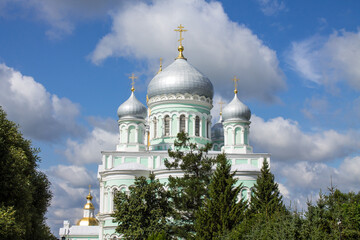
182,123
197,126
155,127
167,125
207,129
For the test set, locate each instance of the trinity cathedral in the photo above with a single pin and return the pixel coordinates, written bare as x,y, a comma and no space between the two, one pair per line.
179,98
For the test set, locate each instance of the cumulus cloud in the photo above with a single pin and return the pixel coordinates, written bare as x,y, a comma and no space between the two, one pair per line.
88,150
284,139
304,179
41,115
328,60
217,46
70,188
271,7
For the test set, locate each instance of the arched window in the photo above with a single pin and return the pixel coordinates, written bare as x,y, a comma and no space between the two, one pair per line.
182,123
197,126
167,125
155,127
132,134
207,129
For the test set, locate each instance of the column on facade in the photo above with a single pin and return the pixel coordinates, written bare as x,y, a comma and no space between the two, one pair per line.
101,197
225,137
111,200
106,201
137,134
127,134
187,123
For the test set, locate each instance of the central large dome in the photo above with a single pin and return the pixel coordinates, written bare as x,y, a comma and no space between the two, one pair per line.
180,77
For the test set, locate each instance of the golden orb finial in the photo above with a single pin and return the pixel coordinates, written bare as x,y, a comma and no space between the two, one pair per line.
133,81
235,84
180,29
89,197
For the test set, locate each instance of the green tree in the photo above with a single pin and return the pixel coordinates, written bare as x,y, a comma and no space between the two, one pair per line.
189,190
23,187
266,198
280,225
143,211
222,209
9,228
335,216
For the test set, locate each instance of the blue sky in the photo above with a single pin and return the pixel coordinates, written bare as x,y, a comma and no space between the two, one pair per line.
64,68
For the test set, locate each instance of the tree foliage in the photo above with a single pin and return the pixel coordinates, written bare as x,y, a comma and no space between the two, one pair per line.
143,211
222,209
9,228
335,216
266,198
24,189
188,191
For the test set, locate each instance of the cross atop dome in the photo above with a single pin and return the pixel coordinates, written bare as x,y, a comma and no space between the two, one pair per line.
180,29
221,103
160,69
133,81
235,84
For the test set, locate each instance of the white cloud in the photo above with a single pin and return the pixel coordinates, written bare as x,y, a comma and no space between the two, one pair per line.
217,46
306,179
89,149
70,188
271,7
41,115
284,139
328,60
75,175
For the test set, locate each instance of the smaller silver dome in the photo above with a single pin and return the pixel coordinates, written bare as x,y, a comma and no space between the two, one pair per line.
236,110
132,109
217,131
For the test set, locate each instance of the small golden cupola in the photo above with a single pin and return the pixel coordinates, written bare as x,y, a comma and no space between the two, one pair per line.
89,216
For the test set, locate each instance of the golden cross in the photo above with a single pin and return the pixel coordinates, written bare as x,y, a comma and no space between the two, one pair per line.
235,83
133,82
180,30
89,188
221,103
160,69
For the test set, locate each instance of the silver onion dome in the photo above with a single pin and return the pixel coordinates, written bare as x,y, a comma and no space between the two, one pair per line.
236,110
132,109
180,77
217,131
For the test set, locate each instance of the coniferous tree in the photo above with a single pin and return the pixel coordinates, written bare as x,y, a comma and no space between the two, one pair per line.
23,189
266,198
188,191
222,209
144,211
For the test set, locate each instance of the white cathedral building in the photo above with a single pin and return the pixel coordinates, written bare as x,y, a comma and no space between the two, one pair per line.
179,98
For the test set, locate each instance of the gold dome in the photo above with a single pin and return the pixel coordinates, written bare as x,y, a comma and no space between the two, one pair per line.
88,221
